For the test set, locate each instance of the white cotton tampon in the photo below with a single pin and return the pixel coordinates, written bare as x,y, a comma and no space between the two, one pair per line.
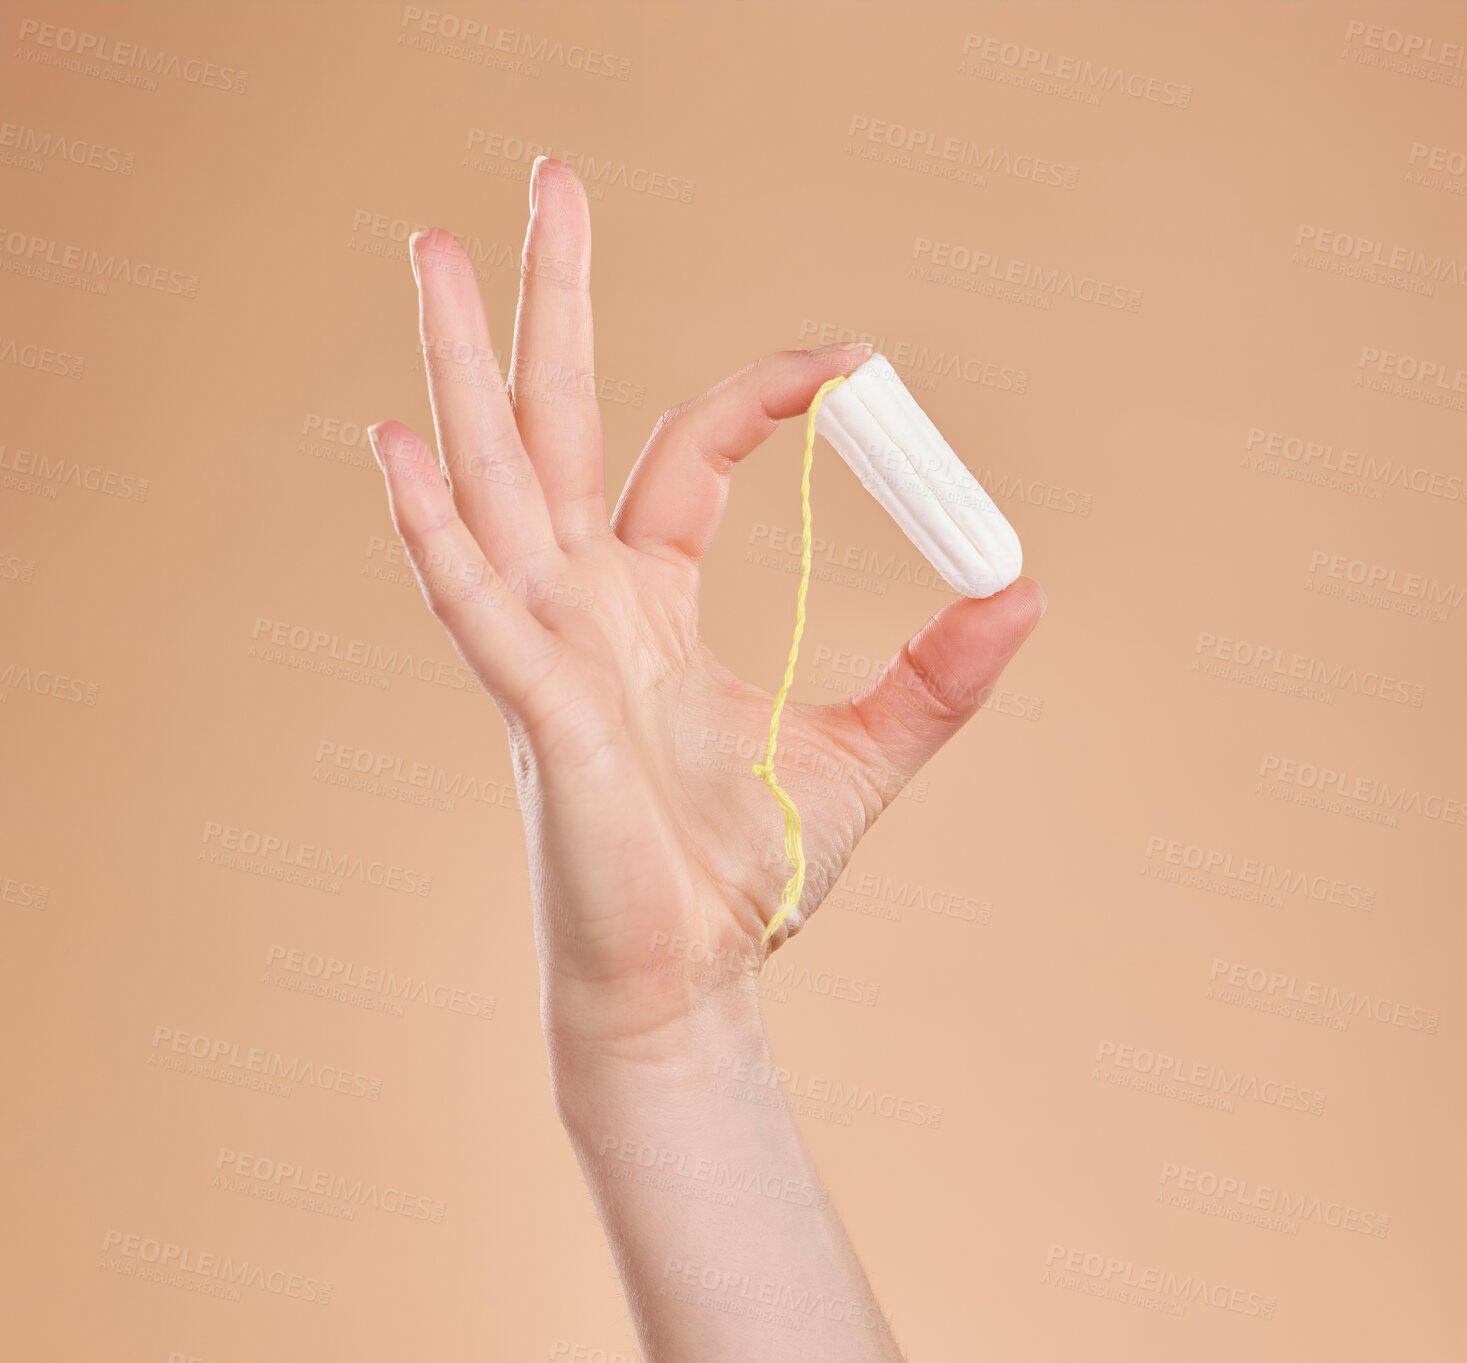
891,445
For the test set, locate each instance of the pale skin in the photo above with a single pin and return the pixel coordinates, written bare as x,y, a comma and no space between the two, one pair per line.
652,846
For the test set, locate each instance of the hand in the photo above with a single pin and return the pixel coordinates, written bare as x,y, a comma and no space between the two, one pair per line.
631,742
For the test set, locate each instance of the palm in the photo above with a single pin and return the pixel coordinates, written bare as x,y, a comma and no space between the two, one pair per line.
657,856
651,814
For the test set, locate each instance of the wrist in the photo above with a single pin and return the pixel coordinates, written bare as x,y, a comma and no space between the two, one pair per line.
672,1066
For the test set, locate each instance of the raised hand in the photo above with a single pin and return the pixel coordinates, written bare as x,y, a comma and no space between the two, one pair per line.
645,826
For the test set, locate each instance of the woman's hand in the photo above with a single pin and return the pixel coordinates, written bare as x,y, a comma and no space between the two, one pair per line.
650,839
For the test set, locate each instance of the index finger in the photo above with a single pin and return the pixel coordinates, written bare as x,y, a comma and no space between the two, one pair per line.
675,495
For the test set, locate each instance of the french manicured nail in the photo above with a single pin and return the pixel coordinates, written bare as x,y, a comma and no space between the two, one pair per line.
374,434
535,180
413,253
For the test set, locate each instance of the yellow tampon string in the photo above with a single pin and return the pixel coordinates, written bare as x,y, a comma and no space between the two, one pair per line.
794,846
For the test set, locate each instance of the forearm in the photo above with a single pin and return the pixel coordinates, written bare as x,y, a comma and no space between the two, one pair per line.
727,1245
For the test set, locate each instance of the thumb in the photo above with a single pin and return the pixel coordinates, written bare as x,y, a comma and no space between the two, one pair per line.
938,679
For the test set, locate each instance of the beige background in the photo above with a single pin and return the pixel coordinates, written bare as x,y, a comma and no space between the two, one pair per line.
1015,924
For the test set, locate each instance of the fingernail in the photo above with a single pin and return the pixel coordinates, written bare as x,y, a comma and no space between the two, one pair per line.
535,180
375,436
844,345
413,253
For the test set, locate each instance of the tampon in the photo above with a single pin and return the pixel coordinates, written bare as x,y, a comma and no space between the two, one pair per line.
891,445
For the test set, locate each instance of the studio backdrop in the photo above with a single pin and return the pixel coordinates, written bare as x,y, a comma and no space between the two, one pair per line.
1134,1029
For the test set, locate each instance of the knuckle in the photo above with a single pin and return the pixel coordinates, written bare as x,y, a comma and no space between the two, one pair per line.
916,686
